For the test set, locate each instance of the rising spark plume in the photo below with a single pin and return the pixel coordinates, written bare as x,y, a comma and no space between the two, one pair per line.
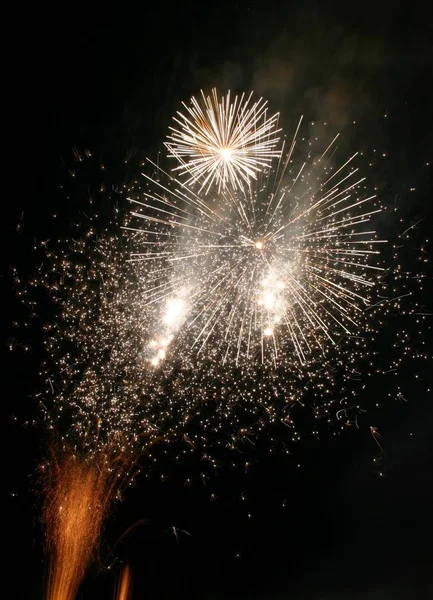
223,142
78,494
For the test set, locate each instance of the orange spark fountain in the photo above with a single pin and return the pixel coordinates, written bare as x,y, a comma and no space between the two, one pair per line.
78,493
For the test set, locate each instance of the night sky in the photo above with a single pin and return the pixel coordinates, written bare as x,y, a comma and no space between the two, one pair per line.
324,522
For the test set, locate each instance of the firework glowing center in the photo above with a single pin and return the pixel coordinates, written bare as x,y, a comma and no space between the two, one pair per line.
226,154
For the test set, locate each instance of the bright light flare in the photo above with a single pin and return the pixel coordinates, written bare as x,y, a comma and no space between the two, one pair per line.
174,313
172,319
226,153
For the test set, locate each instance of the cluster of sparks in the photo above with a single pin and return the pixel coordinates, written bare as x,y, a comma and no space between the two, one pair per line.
96,373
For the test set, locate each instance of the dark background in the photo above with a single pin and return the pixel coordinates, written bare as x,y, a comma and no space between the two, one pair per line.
109,77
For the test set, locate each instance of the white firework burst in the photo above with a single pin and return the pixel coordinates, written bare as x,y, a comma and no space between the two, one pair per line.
223,142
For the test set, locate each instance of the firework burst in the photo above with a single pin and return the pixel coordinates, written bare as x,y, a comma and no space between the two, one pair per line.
223,142
276,272
215,296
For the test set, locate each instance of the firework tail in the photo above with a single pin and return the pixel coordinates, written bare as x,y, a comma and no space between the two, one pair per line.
124,586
